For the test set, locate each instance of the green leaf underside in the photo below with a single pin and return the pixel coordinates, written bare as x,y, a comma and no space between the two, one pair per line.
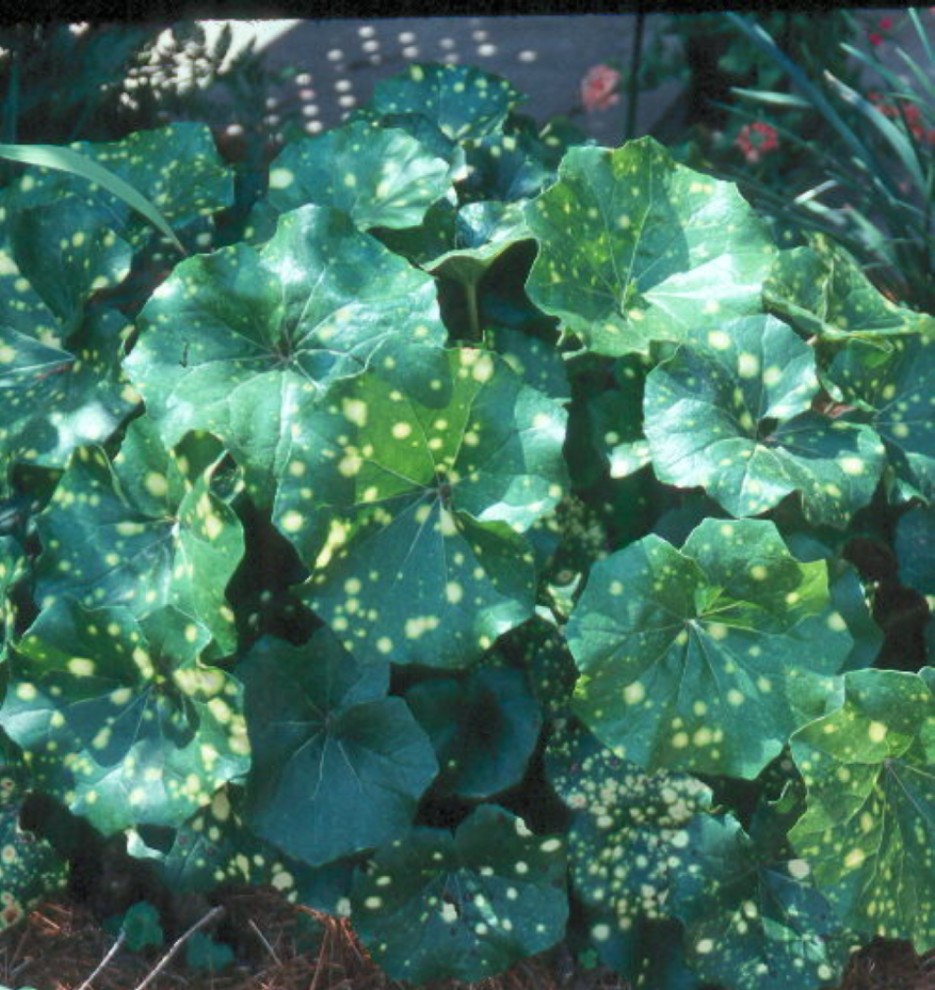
821,290
12,568
137,532
31,867
693,659
337,765
868,831
482,233
232,341
634,248
896,385
749,924
177,168
484,729
463,102
378,176
119,719
54,400
412,525
627,832
732,415
466,905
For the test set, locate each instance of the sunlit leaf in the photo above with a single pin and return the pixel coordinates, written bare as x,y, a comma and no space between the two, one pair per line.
634,248
378,176
412,525
691,660
733,416
144,530
232,340
120,719
868,832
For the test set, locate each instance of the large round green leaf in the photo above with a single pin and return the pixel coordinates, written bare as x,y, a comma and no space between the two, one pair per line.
750,924
119,719
634,248
466,905
412,524
895,383
337,766
231,340
32,870
378,176
733,416
694,659
54,399
463,102
144,530
484,729
868,832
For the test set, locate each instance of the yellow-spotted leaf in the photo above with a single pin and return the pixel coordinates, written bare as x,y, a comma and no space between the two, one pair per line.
820,289
120,719
730,412
465,905
893,385
693,659
412,520
66,253
143,530
337,766
32,869
55,399
634,247
627,838
463,102
752,924
232,341
868,832
176,169
378,176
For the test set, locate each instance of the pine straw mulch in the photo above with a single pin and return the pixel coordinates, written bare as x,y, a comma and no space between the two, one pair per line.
61,944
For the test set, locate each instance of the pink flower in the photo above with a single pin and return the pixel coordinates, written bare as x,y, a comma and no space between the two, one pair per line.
599,88
756,140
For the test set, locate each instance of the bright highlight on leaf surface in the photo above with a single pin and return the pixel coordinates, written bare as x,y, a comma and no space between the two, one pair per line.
634,248
464,905
868,831
232,341
730,411
337,765
412,521
119,719
693,659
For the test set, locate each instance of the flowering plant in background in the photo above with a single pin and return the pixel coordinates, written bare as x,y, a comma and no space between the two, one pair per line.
755,140
884,25
599,88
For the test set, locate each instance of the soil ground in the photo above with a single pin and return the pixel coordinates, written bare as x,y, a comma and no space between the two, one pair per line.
280,947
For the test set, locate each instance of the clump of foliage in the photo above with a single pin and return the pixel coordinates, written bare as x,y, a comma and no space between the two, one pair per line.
478,543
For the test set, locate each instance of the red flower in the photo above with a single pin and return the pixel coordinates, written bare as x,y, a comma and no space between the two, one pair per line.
599,88
756,140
